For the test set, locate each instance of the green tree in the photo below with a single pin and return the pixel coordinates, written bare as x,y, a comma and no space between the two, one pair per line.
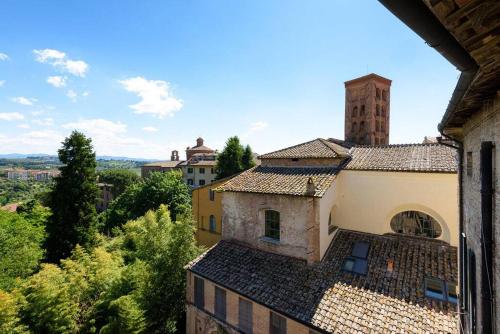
159,188
119,178
229,161
73,198
247,158
10,322
21,239
165,247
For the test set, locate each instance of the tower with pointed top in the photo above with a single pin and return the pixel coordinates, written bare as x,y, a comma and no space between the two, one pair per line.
367,110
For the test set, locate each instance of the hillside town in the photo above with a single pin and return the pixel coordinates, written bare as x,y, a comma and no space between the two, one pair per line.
352,232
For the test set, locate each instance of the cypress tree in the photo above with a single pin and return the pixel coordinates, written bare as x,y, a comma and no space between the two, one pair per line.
73,199
229,161
247,158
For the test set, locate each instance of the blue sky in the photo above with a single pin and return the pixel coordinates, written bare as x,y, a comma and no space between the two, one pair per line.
145,77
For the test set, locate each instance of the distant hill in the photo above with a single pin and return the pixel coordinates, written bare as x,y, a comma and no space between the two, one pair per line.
43,155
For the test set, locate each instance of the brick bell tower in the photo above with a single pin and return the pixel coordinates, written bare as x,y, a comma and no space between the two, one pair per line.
367,110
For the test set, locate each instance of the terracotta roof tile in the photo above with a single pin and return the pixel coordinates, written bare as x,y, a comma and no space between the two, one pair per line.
281,180
408,157
317,148
165,164
326,297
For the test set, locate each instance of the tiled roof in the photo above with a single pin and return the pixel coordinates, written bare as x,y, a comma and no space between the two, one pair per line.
165,164
281,180
327,298
400,158
200,148
317,148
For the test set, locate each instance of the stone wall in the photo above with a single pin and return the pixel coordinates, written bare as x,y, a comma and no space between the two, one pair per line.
484,126
243,220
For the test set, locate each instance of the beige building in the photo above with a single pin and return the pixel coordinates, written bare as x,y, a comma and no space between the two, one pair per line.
197,170
324,238
466,33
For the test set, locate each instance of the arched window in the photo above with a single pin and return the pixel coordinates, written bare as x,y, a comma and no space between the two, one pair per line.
382,126
212,225
378,93
331,226
362,126
383,111
354,127
384,95
272,221
378,110
355,112
416,223
362,113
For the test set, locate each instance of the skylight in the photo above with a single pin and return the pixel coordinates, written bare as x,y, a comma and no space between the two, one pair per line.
357,263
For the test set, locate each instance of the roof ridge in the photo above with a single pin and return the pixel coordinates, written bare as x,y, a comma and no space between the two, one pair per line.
398,145
289,147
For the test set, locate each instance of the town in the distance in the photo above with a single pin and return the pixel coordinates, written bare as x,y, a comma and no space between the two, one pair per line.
349,234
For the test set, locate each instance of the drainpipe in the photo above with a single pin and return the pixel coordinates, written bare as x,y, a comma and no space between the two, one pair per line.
462,247
486,236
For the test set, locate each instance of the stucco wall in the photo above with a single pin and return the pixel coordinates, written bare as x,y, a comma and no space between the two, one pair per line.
367,200
328,203
203,321
202,208
243,219
484,126
196,176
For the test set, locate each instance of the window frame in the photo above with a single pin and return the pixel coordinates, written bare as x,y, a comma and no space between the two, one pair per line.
273,318
190,170
211,195
245,319
201,170
270,231
201,182
212,221
199,292
444,294
220,303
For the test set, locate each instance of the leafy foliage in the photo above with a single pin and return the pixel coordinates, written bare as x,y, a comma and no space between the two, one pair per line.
131,283
247,159
73,198
21,239
15,191
119,178
159,188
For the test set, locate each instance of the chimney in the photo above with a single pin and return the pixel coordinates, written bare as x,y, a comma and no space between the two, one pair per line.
311,187
390,265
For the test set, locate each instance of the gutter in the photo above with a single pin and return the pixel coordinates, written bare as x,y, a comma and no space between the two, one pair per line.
419,18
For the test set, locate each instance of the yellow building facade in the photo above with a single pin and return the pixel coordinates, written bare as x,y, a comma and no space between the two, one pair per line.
207,213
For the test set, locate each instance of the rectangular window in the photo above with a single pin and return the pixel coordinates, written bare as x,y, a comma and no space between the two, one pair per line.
220,303
212,171
469,163
199,292
202,170
272,224
357,263
201,182
277,324
211,195
245,318
190,170
439,289
190,182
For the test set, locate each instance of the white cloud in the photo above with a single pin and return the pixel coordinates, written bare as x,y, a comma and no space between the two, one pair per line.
255,127
3,56
2,83
25,101
59,60
156,97
44,141
43,122
24,126
98,127
57,81
11,116
85,94
72,95
149,129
